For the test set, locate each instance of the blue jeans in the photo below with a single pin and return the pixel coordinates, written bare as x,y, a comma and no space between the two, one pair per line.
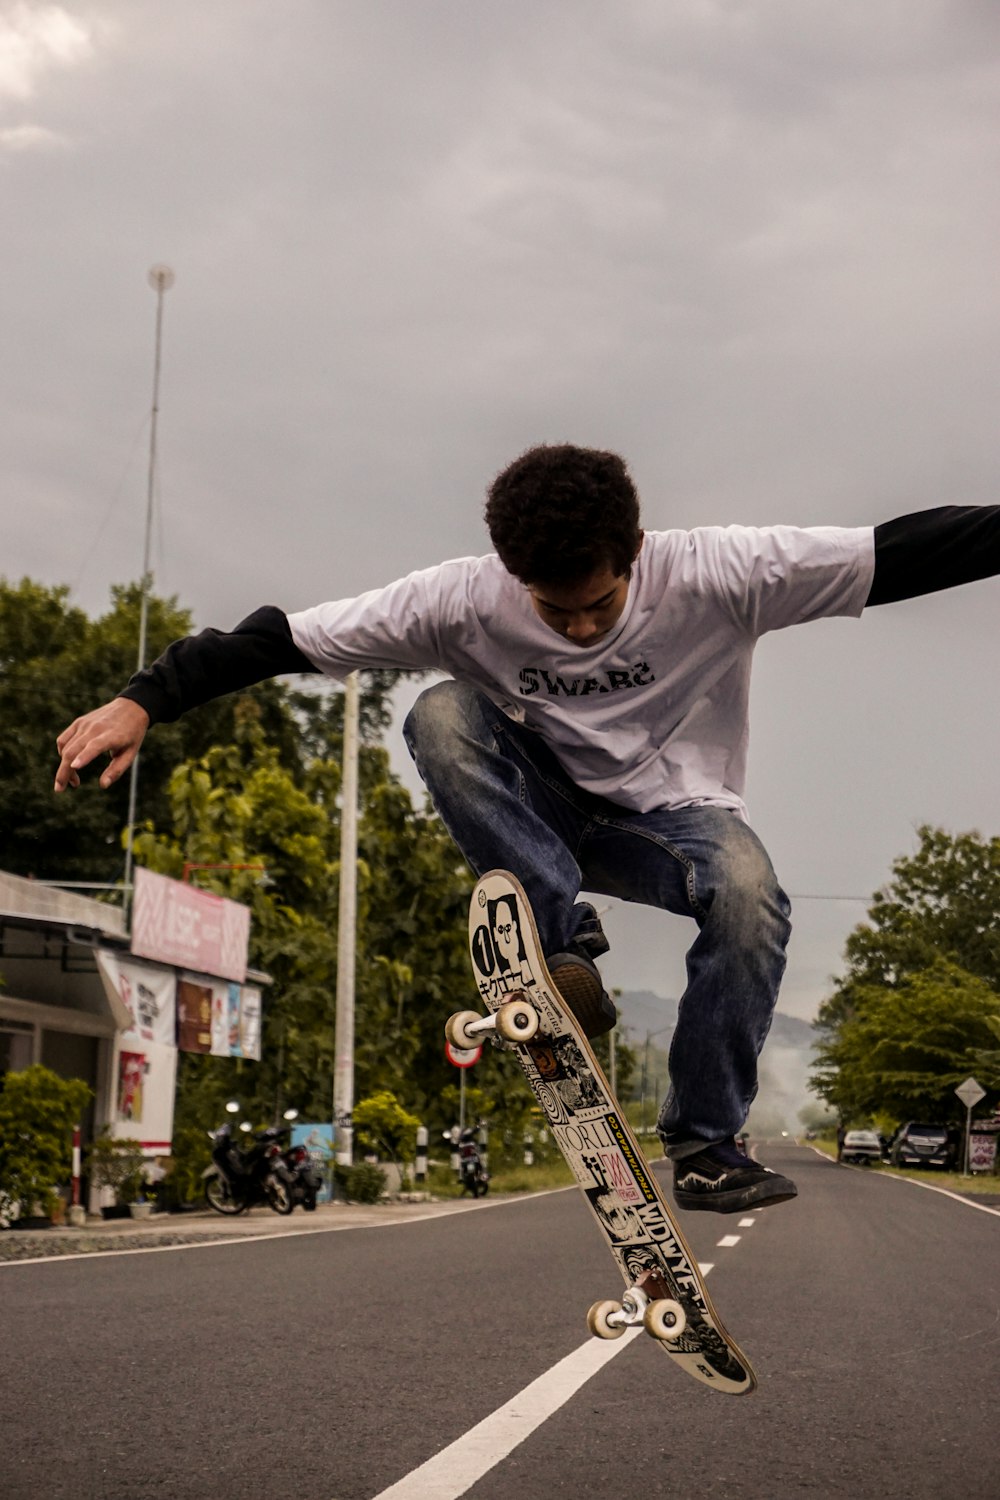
506,802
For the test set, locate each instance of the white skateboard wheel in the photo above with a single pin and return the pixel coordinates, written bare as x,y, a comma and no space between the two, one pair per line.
597,1320
664,1319
517,1021
456,1034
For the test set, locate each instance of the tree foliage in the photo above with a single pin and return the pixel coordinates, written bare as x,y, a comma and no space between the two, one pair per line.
38,1110
385,1127
57,663
912,1016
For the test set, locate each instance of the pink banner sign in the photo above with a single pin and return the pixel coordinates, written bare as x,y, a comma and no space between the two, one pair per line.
177,924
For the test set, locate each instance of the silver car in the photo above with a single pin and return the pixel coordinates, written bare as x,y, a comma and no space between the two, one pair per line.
862,1147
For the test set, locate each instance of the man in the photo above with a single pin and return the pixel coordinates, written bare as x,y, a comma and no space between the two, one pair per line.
593,735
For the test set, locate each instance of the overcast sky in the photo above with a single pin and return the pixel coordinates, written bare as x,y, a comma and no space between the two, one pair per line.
752,246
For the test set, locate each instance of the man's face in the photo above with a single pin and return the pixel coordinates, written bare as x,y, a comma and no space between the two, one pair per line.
582,612
505,933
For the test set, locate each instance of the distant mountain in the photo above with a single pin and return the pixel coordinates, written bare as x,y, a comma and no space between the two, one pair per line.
784,1067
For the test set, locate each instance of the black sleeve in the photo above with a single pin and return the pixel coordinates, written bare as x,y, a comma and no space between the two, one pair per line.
205,666
935,549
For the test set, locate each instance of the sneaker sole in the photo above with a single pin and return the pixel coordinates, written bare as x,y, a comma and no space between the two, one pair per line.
760,1195
586,999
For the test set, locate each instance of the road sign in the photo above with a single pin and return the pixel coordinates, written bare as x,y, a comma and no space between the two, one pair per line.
970,1093
462,1057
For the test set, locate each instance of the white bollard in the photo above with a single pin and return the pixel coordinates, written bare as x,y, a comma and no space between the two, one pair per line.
421,1164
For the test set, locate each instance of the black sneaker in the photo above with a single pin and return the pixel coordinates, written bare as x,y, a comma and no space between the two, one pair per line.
579,983
724,1181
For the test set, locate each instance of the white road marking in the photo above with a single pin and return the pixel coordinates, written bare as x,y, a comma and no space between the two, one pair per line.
282,1234
728,1241
930,1187
457,1468
983,1208
746,1223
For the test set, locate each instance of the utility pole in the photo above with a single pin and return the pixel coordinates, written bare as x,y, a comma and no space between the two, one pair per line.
161,279
343,1067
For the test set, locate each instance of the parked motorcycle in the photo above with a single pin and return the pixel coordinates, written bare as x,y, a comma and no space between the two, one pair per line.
471,1167
238,1178
305,1180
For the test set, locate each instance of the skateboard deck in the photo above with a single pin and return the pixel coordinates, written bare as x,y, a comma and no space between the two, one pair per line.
664,1286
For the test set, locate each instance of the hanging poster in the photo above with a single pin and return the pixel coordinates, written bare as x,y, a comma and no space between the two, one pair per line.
194,1014
249,1027
148,994
132,1070
146,1060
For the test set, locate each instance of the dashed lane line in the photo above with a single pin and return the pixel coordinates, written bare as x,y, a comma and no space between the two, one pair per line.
728,1241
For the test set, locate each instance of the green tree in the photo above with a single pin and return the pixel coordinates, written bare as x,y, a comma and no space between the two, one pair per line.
56,663
385,1127
903,1051
910,1017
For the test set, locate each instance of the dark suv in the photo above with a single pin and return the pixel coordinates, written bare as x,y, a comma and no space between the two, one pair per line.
918,1145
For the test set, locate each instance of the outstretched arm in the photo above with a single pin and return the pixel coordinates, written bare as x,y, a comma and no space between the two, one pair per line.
935,549
189,673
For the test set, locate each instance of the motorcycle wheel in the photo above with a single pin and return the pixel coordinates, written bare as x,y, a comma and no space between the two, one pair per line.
279,1198
484,1187
309,1202
219,1195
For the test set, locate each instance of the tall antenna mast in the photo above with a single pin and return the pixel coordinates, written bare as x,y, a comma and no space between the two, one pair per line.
161,279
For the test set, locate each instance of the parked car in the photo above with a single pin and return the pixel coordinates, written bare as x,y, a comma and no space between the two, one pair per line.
919,1145
862,1147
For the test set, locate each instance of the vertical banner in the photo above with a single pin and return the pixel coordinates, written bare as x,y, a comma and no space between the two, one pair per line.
218,1016
146,1057
132,1070
249,1027
194,1014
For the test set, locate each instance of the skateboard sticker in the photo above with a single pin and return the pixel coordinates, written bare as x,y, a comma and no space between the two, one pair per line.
561,1066
498,950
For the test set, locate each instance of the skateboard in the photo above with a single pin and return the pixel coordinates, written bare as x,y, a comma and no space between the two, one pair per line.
665,1291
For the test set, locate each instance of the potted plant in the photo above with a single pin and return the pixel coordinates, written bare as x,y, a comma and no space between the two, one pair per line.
38,1110
117,1164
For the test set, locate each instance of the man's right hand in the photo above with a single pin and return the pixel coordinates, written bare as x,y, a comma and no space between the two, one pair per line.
117,729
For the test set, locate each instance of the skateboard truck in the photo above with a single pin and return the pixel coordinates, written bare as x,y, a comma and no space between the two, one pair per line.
643,1302
514,1021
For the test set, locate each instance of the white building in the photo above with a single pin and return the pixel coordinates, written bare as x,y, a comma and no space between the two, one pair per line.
76,997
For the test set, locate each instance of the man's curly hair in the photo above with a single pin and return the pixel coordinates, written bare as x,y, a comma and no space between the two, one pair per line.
558,513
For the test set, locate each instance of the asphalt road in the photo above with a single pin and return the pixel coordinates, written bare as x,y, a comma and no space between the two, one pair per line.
332,1366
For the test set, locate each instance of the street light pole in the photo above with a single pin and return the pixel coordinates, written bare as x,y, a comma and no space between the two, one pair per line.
343,1067
161,279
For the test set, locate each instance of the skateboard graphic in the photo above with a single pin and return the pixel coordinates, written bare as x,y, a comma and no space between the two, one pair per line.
665,1291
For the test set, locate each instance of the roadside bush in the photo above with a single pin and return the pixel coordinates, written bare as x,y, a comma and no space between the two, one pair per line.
364,1183
191,1154
38,1110
118,1165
